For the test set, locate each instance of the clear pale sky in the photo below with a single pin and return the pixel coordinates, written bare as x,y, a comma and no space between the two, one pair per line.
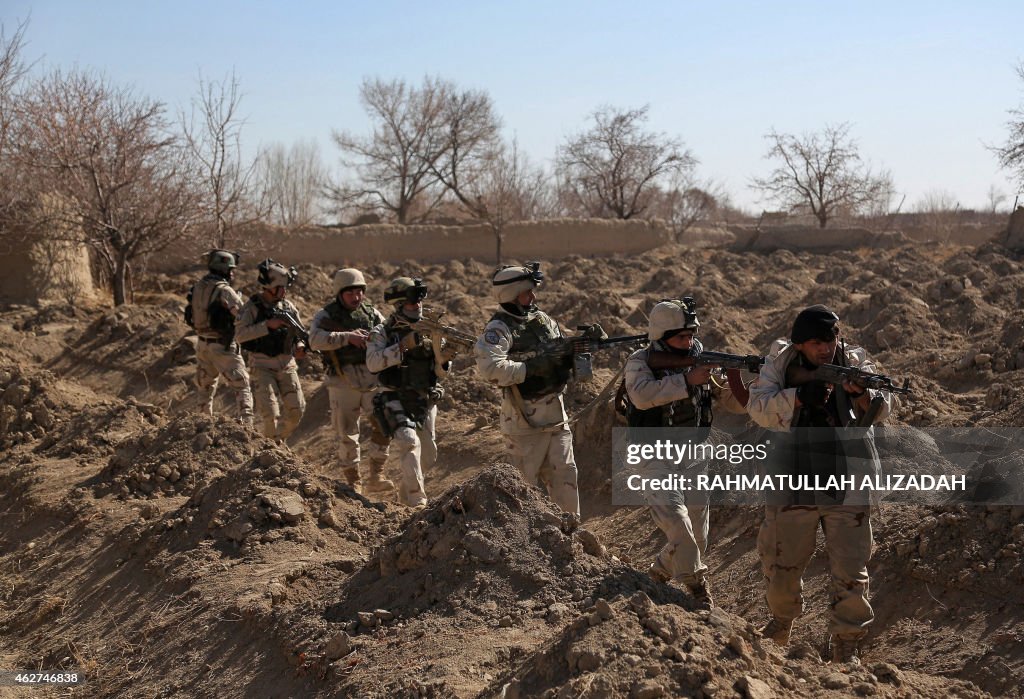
926,85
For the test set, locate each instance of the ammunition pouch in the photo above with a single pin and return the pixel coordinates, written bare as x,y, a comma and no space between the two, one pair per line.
545,375
383,419
223,323
388,421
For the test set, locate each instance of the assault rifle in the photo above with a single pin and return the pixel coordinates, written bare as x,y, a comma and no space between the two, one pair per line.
462,341
732,363
292,323
581,348
660,361
837,375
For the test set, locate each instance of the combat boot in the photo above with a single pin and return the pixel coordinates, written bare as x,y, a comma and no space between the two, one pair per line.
351,475
844,650
376,484
778,630
658,573
702,595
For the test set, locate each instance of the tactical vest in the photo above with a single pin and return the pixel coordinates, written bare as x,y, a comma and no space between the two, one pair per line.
692,411
275,342
364,317
678,413
210,317
527,335
415,375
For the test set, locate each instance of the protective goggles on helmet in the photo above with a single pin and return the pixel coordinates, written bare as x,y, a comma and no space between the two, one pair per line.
531,270
689,308
417,292
274,274
414,293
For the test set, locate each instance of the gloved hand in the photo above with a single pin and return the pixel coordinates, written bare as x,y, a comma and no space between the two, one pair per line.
444,351
408,342
594,331
435,394
814,394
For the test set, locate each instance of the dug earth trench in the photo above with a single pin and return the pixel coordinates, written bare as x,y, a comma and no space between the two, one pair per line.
163,553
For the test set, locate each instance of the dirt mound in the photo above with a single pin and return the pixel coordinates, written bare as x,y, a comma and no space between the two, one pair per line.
26,412
65,419
97,429
981,548
486,547
131,352
637,648
178,458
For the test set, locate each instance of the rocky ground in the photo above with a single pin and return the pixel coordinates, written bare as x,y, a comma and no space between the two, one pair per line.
168,554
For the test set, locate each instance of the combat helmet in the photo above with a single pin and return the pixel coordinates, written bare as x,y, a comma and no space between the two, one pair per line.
671,316
405,290
348,278
512,280
274,275
222,261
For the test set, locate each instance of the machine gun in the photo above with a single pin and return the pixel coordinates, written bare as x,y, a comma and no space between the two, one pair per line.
581,348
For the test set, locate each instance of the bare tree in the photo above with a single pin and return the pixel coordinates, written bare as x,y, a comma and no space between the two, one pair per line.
995,198
292,181
938,210
1011,153
502,186
615,166
213,135
395,164
471,142
821,173
687,202
105,168
12,70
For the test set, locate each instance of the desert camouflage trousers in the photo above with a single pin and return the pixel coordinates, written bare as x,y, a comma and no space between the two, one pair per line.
786,544
212,362
416,448
684,518
542,447
348,404
276,379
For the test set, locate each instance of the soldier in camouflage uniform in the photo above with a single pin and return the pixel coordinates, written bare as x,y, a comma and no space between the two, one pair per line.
409,366
212,307
273,349
681,398
533,417
787,538
339,332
